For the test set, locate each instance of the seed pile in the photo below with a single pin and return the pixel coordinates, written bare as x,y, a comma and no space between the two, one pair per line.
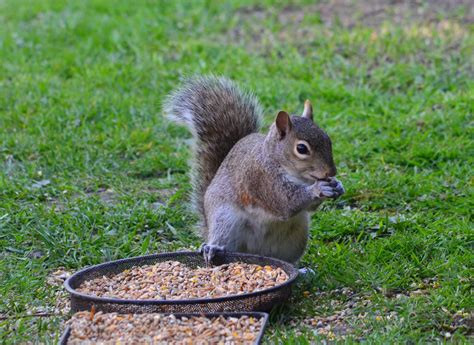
113,328
173,280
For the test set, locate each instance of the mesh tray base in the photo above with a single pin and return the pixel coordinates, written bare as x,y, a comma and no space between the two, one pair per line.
257,315
255,301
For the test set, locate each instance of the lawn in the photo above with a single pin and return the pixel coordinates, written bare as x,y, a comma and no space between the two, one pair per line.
90,170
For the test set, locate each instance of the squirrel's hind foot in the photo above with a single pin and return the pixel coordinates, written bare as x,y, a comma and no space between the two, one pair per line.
209,251
306,271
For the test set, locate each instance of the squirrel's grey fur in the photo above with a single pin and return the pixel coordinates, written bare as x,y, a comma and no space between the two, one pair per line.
253,191
218,114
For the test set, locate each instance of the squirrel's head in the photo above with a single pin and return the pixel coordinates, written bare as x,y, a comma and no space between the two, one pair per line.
301,147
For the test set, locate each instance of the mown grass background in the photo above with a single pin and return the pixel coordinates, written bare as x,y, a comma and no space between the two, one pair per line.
90,171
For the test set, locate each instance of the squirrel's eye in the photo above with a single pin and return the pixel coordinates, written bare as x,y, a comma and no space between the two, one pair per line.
302,149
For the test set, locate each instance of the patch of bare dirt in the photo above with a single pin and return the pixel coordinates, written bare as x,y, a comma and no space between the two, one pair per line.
56,280
340,324
371,13
436,16
162,196
110,197
107,195
349,312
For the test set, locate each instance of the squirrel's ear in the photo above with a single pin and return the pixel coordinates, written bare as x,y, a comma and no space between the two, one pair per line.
283,123
308,110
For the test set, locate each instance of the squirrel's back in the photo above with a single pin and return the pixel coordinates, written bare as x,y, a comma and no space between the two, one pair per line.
219,114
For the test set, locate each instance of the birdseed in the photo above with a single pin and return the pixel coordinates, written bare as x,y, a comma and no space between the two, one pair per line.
171,280
113,328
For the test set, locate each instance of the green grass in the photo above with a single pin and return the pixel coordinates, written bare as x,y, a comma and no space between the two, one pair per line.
80,89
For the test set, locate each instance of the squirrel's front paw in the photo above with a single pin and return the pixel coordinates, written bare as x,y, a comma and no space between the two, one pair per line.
337,185
331,188
209,251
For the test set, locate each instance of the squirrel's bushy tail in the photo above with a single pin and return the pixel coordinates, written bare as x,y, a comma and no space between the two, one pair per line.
219,114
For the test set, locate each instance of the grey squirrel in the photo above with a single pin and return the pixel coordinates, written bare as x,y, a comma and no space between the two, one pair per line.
253,192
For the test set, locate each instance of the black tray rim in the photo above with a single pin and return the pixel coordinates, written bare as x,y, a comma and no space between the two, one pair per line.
261,315
67,284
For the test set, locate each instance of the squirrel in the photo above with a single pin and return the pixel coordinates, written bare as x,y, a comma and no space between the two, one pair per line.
253,192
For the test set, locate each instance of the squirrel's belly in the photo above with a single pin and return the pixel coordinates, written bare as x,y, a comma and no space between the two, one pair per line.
284,240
